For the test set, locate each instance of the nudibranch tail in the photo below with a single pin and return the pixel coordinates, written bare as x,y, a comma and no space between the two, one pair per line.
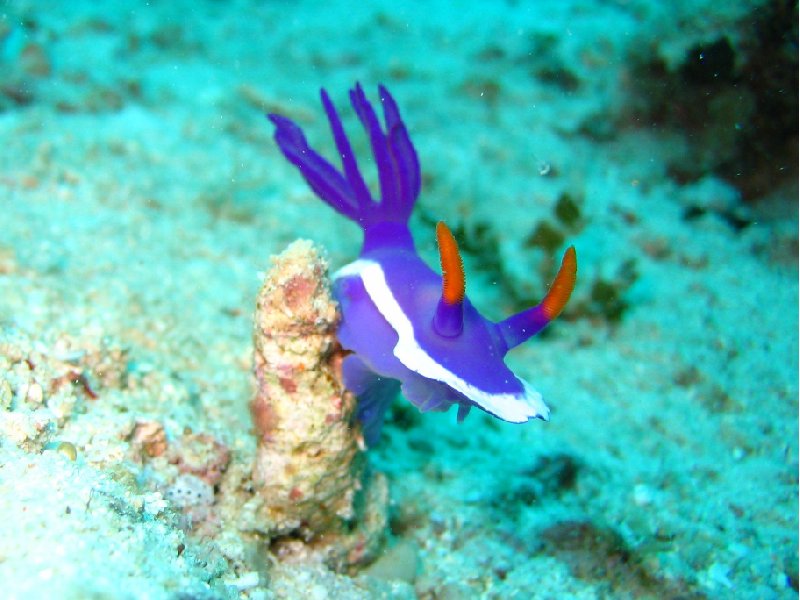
449,317
523,325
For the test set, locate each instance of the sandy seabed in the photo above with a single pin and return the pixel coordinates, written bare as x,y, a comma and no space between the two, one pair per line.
142,195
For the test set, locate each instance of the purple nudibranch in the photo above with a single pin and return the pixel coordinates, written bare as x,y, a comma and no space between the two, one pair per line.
405,324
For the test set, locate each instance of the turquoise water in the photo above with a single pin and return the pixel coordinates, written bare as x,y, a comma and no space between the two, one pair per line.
142,196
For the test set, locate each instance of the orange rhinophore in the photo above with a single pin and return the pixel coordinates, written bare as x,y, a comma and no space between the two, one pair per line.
558,296
453,280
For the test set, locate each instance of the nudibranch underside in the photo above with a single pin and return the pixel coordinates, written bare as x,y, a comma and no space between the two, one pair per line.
404,323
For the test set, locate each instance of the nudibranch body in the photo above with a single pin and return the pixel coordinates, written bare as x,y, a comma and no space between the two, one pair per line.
405,324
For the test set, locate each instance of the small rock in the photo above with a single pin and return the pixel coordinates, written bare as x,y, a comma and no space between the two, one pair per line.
396,563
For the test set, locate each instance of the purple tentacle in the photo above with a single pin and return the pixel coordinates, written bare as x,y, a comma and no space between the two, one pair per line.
402,150
322,177
380,150
349,164
346,191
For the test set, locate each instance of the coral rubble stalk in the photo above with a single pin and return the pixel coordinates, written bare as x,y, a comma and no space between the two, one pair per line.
310,471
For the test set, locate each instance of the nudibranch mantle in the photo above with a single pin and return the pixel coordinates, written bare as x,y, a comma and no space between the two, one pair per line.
513,407
405,324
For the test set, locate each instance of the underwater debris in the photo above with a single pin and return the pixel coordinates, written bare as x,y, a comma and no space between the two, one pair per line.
606,298
36,405
148,440
568,210
68,450
313,494
555,473
183,470
193,496
552,475
545,236
398,563
732,99
200,455
599,554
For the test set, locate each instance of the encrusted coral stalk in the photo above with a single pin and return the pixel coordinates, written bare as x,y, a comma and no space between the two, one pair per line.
310,467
